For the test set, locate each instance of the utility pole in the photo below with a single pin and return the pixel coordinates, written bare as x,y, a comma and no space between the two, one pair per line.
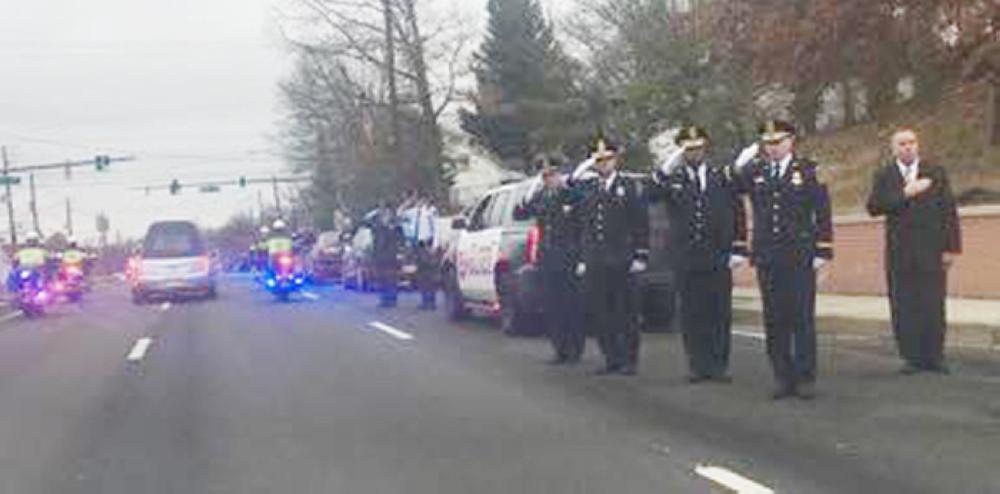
260,205
69,217
34,204
10,201
277,196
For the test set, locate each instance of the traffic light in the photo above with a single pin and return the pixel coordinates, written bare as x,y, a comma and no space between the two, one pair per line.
175,187
243,181
102,161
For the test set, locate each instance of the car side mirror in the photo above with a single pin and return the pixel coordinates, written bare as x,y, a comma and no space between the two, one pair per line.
458,224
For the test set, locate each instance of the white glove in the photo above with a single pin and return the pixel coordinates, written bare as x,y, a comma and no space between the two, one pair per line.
747,155
672,162
581,269
818,262
584,170
638,266
736,260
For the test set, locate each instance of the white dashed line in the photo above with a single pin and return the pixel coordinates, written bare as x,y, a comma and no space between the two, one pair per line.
139,350
751,334
311,296
165,306
731,481
391,331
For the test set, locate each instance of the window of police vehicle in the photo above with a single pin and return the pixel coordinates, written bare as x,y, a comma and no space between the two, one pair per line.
493,246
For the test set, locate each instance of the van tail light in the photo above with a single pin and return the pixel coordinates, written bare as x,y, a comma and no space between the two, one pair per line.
204,264
531,245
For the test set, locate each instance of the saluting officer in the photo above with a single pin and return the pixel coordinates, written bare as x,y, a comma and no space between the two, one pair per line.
559,251
615,243
708,238
792,238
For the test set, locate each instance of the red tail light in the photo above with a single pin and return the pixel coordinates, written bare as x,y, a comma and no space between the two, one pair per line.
285,261
531,245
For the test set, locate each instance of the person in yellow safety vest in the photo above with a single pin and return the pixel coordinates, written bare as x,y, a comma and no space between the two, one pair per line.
32,255
73,256
280,241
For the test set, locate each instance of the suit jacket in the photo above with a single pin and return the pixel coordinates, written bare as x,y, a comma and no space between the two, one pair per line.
706,227
555,212
920,229
792,217
613,220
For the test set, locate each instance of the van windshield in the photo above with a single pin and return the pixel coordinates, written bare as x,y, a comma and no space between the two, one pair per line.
173,241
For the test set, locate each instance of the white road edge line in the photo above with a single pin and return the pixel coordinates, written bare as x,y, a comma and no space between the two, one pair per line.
310,295
391,331
731,481
139,350
750,334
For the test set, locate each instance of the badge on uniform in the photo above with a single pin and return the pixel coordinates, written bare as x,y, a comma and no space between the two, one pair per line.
677,186
567,208
620,191
758,180
797,178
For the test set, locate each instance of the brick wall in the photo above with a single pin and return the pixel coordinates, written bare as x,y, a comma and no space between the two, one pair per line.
858,249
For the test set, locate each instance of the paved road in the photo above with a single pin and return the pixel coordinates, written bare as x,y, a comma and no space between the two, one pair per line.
244,395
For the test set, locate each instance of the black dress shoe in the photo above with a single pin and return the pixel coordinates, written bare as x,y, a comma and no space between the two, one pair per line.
806,391
697,378
607,371
909,370
782,391
629,370
722,379
938,369
558,360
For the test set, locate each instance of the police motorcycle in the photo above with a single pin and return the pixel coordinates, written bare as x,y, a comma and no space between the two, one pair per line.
284,273
70,281
28,279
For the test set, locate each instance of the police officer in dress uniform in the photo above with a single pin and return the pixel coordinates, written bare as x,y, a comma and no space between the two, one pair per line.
614,243
792,238
387,241
708,238
559,252
922,236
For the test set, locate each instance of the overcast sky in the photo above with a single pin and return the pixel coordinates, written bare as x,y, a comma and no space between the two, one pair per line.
187,86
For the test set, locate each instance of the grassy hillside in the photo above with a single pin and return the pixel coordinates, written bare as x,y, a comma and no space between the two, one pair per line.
951,133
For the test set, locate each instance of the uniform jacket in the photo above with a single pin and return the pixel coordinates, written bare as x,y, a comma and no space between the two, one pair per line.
918,229
706,227
387,240
792,218
614,221
555,212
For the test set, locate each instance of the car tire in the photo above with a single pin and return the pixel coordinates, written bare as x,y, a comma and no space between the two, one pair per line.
138,298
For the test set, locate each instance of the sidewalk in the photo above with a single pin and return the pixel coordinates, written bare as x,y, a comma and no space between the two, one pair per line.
973,323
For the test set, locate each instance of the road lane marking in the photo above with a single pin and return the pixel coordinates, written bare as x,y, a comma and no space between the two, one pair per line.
750,334
391,331
165,306
311,296
139,350
10,317
730,480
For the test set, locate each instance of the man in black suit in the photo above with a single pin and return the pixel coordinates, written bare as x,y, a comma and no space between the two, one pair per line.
558,249
708,238
792,238
922,237
614,244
